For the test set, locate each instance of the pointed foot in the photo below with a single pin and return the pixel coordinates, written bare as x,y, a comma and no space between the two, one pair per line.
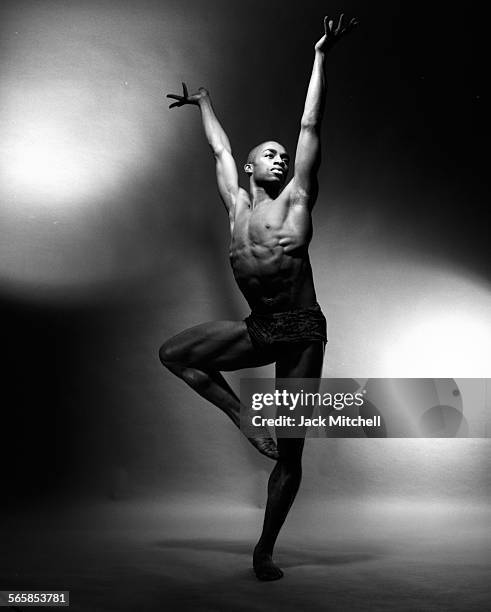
266,446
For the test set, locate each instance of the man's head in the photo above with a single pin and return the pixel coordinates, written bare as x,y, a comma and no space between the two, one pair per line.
268,162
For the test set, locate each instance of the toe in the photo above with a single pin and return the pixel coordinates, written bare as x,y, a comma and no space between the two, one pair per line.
269,574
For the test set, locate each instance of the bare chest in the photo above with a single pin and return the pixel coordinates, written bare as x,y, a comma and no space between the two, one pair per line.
270,225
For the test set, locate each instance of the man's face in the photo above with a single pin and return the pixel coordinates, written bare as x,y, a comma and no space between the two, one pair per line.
270,163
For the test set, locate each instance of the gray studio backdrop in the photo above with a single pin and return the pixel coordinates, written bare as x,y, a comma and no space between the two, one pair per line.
110,213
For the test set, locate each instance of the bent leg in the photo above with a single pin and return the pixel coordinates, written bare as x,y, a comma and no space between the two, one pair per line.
284,481
198,354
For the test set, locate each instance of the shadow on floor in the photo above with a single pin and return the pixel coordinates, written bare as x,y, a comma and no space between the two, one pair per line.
290,555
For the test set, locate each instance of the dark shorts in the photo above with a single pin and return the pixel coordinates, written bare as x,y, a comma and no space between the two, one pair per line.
302,325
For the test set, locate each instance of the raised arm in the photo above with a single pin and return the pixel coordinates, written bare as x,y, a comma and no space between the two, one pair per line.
226,169
308,154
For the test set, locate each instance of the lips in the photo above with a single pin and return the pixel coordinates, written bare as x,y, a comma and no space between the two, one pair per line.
277,171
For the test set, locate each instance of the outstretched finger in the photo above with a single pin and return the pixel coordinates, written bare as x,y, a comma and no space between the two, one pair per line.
340,24
184,90
347,28
173,96
326,25
175,104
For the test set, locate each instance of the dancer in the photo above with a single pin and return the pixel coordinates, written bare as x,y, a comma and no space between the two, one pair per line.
271,228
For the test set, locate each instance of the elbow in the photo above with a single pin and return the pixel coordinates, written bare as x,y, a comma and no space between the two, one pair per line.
309,124
219,149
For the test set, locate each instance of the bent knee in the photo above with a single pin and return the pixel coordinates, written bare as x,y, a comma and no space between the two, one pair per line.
195,378
169,354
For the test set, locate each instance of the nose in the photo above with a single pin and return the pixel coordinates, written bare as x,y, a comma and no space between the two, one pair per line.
281,162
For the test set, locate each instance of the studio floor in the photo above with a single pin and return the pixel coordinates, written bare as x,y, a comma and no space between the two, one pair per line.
192,553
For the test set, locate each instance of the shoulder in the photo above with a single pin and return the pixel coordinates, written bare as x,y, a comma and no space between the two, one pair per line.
298,195
242,199
242,194
239,199
242,202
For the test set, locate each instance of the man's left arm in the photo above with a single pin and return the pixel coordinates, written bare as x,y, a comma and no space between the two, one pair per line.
304,185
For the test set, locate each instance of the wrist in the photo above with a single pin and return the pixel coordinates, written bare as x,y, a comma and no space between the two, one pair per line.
204,95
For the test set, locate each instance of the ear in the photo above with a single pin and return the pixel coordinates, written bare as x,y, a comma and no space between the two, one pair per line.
248,168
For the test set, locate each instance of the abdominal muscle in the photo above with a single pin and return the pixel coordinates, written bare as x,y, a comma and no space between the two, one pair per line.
273,277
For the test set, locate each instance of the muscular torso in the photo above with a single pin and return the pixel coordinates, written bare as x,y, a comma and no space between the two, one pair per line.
269,253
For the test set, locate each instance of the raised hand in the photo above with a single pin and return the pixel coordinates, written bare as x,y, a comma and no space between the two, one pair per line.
334,33
186,97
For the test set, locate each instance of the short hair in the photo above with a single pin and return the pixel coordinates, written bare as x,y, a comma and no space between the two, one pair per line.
253,152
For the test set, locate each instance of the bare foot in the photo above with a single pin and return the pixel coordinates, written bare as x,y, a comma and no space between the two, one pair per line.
264,567
266,446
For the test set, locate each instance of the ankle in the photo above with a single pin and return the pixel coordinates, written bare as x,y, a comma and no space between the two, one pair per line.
263,549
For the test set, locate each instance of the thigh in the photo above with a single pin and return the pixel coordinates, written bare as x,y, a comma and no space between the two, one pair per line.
218,345
301,360
298,361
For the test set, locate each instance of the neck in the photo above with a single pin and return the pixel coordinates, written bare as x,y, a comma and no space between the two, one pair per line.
263,193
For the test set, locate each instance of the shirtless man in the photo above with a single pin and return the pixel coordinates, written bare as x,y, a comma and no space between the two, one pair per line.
271,228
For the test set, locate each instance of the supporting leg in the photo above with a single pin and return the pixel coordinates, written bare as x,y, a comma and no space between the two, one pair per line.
283,485
285,478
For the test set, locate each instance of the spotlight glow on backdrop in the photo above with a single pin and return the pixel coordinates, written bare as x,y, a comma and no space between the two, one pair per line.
78,110
85,129
60,151
440,342
44,166
396,316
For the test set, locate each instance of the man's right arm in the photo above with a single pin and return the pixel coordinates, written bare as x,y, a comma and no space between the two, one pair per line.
227,175
226,169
